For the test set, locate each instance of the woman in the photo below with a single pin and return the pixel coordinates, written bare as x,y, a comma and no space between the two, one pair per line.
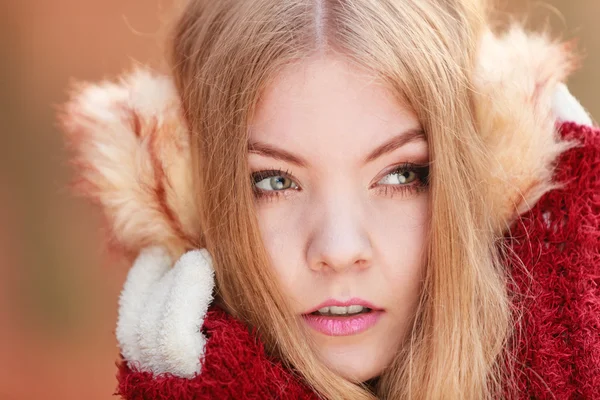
355,172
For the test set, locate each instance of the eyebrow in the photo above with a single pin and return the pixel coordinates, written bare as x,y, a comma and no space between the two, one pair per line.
273,152
411,135
394,143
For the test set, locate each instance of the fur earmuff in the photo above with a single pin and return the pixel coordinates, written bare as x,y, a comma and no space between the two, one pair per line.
515,81
132,150
132,157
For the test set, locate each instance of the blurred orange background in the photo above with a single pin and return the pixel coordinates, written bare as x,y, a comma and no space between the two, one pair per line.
59,287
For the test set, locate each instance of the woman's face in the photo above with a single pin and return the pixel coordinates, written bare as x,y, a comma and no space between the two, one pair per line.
340,172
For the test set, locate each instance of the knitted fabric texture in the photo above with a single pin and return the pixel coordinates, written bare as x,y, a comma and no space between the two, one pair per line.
555,264
235,366
558,282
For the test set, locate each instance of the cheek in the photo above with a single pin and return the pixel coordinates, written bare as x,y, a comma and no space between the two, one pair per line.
284,237
399,237
401,246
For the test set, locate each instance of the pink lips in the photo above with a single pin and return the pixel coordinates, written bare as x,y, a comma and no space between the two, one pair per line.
343,325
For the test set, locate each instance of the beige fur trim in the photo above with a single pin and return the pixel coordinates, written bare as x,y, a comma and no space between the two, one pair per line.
517,76
132,155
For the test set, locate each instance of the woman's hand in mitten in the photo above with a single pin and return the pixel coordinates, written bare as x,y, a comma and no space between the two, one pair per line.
162,309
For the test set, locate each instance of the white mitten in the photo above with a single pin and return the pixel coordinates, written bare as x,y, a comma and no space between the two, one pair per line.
162,309
566,107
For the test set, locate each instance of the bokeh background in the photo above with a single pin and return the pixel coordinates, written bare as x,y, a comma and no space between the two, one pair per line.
58,284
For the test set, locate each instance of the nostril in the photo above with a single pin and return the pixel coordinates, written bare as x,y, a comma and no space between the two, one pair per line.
319,266
338,246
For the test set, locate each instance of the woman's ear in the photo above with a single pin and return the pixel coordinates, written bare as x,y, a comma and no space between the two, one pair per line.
517,76
132,156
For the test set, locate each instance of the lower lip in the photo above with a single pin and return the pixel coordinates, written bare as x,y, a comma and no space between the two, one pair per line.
343,326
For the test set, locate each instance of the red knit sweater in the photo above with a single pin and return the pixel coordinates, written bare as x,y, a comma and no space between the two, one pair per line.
558,241
558,350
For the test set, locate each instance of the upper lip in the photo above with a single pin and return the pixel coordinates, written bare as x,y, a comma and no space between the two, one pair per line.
344,303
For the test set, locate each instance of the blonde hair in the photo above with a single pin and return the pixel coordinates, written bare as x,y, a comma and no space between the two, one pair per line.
225,52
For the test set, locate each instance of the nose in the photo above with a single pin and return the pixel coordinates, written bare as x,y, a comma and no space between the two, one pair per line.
339,239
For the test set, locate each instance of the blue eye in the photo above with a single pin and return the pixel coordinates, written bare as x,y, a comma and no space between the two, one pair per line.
399,177
275,183
405,179
407,174
272,181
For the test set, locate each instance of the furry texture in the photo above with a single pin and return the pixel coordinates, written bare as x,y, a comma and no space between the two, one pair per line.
516,79
132,155
235,367
132,149
567,108
161,311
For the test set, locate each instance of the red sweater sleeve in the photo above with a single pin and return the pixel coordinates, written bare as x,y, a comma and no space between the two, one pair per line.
558,241
235,366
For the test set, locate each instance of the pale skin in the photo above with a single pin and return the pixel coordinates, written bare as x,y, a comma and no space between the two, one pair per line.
337,217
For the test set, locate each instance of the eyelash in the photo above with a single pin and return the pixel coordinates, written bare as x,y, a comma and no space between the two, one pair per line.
420,184
269,195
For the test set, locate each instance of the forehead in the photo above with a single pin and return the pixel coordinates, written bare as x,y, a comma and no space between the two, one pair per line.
324,105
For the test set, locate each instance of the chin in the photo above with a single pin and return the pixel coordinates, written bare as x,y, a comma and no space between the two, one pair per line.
357,362
359,374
